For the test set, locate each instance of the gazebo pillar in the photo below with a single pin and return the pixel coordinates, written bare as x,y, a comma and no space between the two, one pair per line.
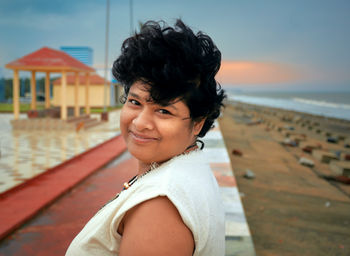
47,90
76,95
64,96
33,91
87,103
15,94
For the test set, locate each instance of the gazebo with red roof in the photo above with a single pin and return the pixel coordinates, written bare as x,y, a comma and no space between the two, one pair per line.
49,61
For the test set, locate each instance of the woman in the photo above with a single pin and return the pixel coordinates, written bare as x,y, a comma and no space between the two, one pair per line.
172,206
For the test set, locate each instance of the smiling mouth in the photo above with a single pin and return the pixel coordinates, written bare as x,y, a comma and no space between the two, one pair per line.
142,138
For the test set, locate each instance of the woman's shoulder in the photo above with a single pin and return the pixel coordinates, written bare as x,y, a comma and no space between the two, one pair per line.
191,164
187,177
183,169
185,180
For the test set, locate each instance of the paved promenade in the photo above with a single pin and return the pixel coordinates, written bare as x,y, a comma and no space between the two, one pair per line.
26,154
50,232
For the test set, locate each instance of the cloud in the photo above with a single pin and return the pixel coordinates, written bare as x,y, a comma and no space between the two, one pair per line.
327,75
252,72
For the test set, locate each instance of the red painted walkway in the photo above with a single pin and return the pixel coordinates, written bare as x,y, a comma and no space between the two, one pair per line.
51,232
21,203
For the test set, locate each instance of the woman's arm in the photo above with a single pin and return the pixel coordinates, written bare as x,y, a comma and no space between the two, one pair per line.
154,228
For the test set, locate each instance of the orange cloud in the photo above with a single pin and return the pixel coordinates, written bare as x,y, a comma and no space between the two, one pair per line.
250,72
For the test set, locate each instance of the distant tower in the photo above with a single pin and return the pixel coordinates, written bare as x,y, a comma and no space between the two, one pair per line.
2,86
81,53
2,89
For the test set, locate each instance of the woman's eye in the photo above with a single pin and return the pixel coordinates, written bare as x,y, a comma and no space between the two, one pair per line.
134,102
164,112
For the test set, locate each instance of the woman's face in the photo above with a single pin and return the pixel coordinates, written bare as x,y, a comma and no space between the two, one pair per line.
155,133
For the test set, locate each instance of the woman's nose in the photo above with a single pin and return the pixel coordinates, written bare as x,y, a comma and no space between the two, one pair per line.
143,120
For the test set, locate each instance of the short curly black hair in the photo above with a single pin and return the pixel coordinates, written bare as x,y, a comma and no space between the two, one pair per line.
177,64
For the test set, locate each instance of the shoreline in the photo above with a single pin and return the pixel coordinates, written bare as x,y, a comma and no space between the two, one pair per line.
333,124
230,101
291,110
330,104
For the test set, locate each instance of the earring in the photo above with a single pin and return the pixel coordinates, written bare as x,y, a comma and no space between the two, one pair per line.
201,142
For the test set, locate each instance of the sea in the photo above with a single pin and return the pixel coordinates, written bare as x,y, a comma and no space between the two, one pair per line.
327,104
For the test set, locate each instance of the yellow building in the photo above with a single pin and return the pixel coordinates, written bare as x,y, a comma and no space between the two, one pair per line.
96,91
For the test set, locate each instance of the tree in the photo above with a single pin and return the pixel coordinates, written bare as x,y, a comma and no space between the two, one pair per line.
8,88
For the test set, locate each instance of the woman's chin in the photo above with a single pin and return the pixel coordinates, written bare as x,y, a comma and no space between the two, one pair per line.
142,156
148,159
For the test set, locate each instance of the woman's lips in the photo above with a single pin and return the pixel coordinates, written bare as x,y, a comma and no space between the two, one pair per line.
141,138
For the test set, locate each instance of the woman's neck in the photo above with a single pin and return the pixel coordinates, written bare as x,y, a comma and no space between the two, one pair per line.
142,168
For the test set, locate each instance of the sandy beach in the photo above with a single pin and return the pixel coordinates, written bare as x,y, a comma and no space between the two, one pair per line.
291,208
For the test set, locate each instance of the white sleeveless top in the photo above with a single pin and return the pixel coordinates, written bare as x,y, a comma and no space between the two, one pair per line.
188,183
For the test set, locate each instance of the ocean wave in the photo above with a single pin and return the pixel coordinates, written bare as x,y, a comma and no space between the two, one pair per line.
322,103
316,107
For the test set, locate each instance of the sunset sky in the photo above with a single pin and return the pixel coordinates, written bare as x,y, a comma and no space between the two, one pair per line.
282,45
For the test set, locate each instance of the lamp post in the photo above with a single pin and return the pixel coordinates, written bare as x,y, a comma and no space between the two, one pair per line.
131,17
106,60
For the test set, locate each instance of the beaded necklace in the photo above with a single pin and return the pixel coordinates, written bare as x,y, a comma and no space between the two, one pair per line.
127,185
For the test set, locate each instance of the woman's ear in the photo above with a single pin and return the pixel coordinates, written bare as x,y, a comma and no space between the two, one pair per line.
198,125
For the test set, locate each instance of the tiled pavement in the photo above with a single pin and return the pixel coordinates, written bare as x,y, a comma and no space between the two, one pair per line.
21,203
37,236
238,237
26,154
